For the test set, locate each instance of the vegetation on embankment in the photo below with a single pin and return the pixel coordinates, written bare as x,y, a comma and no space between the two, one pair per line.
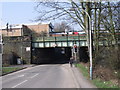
96,81
6,70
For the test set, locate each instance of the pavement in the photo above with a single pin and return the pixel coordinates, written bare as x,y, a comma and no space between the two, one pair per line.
47,76
81,80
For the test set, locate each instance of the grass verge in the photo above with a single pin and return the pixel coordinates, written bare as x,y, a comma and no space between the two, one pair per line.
83,69
99,83
6,70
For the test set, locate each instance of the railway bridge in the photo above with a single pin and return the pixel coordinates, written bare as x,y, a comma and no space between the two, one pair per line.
57,47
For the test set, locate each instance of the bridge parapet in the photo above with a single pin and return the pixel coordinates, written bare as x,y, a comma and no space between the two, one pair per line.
61,41
60,38
64,41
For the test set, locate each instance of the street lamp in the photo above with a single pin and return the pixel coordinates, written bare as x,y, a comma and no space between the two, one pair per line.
1,52
90,43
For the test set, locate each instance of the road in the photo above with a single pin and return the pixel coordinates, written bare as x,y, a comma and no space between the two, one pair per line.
46,76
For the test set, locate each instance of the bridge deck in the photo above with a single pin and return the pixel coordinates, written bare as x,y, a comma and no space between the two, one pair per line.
62,41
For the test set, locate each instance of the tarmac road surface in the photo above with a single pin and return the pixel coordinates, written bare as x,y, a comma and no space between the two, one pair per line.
46,76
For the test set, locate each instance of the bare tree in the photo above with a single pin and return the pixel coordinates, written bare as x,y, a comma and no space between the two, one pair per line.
61,27
71,11
102,15
110,21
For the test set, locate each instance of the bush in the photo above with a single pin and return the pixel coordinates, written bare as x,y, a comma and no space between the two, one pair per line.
107,63
108,57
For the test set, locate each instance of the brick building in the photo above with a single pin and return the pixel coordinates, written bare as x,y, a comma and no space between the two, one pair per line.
17,41
26,29
38,28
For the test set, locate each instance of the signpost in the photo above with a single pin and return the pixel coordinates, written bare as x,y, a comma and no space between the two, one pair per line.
75,52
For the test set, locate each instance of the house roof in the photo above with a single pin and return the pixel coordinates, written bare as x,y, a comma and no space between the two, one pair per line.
36,23
13,26
20,25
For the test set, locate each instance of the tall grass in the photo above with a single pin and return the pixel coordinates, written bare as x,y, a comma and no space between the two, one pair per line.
99,83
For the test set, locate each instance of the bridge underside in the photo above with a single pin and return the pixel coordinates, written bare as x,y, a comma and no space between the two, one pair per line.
51,55
58,55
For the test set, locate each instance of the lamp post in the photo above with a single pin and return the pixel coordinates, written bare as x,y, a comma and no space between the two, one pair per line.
1,52
90,43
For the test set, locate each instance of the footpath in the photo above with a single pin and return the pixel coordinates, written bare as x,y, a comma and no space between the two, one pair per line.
81,81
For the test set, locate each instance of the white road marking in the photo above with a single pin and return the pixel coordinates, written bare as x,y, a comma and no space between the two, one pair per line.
34,76
21,71
19,83
21,75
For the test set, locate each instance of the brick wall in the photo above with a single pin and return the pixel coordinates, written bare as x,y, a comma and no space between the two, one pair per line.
13,32
39,28
14,48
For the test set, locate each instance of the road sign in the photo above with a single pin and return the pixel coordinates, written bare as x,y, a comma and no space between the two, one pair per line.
75,48
27,48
